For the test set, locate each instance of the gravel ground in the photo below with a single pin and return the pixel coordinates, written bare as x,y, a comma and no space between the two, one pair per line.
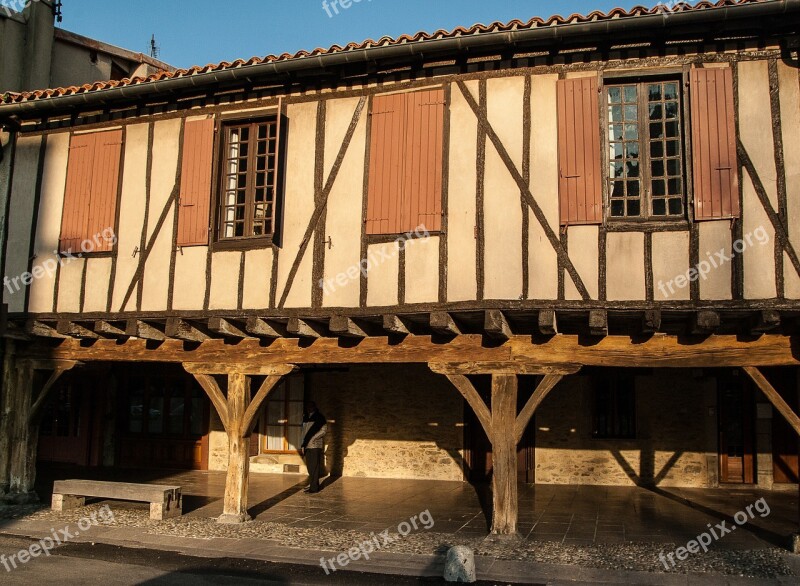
762,563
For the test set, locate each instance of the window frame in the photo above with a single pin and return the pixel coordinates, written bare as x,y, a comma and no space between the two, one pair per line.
222,124
679,75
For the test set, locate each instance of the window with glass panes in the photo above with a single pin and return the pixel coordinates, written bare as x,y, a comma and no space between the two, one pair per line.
645,149
283,424
249,180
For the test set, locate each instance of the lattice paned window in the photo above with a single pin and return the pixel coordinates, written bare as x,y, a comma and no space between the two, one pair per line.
645,150
249,180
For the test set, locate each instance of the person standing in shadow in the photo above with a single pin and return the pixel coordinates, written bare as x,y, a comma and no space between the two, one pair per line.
315,426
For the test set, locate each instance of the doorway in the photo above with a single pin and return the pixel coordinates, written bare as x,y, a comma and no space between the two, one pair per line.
736,409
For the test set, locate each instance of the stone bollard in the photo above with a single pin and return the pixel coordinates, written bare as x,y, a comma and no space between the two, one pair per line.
460,565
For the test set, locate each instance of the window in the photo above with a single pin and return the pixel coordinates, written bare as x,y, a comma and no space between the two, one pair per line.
614,407
90,197
645,147
249,188
405,169
283,423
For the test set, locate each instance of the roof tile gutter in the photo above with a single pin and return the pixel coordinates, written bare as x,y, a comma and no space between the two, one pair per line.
546,35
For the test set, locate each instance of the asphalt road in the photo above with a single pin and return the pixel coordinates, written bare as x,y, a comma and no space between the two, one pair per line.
81,563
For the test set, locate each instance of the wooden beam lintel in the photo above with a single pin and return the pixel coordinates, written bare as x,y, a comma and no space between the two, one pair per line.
233,368
513,367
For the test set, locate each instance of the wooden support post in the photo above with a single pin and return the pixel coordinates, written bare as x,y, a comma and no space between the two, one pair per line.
496,325
443,323
6,413
304,328
238,414
598,323
651,322
24,428
262,328
136,328
788,414
226,328
704,322
110,330
184,330
504,454
394,324
235,501
548,324
75,330
344,326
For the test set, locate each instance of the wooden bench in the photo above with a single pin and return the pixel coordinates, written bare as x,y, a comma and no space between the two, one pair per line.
165,501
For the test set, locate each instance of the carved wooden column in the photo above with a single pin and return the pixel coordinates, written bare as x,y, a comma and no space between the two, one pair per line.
503,426
504,454
238,413
22,428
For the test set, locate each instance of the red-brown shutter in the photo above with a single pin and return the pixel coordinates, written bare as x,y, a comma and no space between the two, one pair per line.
406,160
423,161
195,196
385,194
90,198
716,179
580,182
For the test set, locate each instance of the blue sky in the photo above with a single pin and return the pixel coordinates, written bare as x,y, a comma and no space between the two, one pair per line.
192,32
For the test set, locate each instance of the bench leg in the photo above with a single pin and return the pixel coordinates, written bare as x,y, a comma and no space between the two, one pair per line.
171,507
65,502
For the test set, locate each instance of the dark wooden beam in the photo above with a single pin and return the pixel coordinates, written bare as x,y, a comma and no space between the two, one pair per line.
42,330
496,325
443,323
108,330
262,328
137,328
344,326
514,367
394,324
766,321
666,351
704,322
184,330
305,328
216,368
75,330
225,328
548,324
598,322
774,397
651,321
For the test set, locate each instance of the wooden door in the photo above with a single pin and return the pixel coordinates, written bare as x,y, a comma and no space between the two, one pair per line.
478,449
64,429
736,417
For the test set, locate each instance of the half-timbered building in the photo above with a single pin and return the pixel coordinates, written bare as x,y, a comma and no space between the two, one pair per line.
553,251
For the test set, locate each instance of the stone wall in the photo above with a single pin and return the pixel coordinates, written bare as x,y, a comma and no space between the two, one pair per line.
391,422
383,422
675,441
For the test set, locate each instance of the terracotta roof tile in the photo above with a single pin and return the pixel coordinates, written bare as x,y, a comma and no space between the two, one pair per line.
477,29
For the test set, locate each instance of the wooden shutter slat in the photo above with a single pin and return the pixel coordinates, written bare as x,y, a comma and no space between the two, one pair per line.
105,179
579,155
195,194
77,195
715,167
385,189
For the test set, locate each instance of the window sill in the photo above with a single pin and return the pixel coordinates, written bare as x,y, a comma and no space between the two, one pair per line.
242,244
387,238
612,225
